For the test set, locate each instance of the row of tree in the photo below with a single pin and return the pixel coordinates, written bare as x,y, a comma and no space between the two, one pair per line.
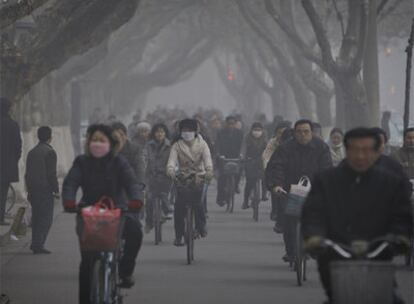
314,54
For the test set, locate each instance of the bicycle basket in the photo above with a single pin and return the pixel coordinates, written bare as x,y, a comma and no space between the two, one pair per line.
100,231
231,168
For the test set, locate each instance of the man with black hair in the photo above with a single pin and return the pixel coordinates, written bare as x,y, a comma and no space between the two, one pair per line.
305,155
10,153
405,155
357,200
229,144
132,152
42,185
385,147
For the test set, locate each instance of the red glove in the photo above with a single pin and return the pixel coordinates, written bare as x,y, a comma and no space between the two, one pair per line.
135,205
69,206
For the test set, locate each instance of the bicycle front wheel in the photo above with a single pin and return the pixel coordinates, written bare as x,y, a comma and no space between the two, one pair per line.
300,263
190,235
98,283
157,221
256,200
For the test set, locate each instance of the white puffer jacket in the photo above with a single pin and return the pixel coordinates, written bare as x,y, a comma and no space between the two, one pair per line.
194,157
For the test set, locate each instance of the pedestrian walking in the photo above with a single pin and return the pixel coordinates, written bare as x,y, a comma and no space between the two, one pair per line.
42,186
10,153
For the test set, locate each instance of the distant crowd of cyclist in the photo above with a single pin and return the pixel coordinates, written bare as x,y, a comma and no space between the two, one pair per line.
276,154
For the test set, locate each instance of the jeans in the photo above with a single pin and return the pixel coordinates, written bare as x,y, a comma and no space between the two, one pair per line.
42,203
185,197
132,234
4,188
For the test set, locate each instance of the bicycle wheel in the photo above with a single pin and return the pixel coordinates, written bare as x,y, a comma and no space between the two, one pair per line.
300,258
231,191
157,221
190,235
11,199
256,200
98,283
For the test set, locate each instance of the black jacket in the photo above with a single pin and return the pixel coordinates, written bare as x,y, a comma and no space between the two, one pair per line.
345,206
254,148
135,156
110,176
158,155
292,160
41,169
229,143
10,149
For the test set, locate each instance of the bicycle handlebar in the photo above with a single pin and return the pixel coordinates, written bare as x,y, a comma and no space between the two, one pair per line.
359,249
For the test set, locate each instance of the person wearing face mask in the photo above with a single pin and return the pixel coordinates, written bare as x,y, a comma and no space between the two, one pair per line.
254,145
189,155
405,155
101,172
336,146
159,184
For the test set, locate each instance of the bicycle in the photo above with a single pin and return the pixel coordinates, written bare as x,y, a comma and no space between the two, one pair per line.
231,168
190,232
300,257
105,281
157,220
256,200
357,278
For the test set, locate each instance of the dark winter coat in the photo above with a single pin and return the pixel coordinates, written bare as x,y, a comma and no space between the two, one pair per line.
10,149
229,143
405,158
135,156
41,173
254,148
292,160
110,176
345,206
158,155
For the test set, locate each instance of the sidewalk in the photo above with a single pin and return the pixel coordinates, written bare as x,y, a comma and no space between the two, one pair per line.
19,244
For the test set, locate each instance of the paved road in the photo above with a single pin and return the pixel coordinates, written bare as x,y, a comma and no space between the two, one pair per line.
239,262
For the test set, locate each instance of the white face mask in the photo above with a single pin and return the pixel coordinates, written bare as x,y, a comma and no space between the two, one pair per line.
188,136
257,134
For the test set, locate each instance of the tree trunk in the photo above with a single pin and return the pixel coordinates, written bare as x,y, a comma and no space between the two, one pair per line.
370,67
323,108
351,104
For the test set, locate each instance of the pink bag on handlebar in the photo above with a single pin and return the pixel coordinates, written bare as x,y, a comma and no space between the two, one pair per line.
101,224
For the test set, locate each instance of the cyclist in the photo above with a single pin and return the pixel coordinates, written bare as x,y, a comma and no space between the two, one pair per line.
100,172
159,184
254,145
229,143
356,201
304,155
191,155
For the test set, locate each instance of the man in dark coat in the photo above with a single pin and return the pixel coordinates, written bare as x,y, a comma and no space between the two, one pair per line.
10,153
305,155
42,185
132,152
358,200
229,144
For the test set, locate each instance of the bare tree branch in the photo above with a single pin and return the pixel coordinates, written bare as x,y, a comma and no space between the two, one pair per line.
302,46
320,34
10,13
356,62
